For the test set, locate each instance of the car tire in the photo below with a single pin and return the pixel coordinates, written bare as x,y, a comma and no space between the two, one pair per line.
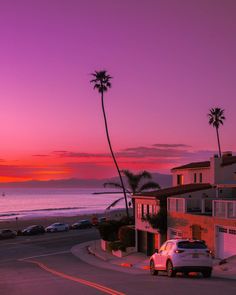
153,271
207,273
169,269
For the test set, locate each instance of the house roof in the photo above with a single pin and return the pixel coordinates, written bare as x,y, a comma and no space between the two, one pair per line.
175,190
193,165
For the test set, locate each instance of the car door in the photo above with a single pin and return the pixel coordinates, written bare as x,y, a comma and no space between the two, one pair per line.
159,257
166,253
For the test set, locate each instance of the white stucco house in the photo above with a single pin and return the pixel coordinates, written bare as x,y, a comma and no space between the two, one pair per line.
201,204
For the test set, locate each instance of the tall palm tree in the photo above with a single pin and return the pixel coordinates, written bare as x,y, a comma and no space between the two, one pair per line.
216,118
102,82
135,184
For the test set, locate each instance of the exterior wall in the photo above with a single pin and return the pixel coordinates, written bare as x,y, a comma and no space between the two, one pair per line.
185,222
147,238
188,175
222,174
141,224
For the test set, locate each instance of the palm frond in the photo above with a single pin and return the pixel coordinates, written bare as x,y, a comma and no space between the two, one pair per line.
114,203
149,185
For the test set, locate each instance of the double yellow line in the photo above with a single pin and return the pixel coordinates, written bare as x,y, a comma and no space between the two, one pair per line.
76,279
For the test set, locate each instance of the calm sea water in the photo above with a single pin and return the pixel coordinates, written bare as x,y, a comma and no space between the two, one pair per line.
28,203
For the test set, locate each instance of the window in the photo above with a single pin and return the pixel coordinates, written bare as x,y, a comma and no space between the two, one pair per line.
200,177
179,179
192,245
142,211
195,177
168,246
148,209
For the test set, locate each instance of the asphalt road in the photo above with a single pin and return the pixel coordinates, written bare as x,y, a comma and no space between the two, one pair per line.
43,265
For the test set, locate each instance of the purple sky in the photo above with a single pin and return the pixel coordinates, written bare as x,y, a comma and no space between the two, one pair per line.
171,62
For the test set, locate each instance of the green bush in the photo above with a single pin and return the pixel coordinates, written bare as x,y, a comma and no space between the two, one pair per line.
109,230
126,235
159,220
117,245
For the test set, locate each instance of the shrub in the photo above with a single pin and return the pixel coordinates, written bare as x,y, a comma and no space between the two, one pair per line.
126,235
109,230
159,220
117,245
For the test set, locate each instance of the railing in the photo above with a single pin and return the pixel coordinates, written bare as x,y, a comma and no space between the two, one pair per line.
190,205
224,208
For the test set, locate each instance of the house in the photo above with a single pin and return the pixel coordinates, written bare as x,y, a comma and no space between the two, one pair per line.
201,204
150,203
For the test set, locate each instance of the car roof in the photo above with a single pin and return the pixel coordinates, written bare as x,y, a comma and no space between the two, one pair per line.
184,240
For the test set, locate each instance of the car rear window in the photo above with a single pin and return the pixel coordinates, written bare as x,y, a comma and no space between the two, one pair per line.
192,245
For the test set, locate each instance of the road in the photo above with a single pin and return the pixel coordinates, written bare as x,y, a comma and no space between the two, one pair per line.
43,265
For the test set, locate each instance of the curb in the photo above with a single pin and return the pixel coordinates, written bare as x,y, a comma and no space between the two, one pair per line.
89,248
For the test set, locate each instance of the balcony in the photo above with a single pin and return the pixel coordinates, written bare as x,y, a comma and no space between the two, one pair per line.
190,205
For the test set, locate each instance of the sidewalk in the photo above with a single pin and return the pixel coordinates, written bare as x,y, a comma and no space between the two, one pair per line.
137,263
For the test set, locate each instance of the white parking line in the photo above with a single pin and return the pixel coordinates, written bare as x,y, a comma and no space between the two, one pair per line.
43,255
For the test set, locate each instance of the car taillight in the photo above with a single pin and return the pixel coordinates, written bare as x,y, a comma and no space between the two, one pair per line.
179,251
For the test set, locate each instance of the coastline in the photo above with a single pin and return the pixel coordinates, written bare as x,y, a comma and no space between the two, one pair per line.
20,224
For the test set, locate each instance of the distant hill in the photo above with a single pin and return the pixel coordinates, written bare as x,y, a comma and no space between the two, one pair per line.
163,179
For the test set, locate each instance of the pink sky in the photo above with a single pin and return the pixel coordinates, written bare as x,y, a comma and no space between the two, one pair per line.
171,62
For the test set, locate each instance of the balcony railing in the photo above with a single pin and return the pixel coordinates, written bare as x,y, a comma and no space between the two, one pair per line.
187,205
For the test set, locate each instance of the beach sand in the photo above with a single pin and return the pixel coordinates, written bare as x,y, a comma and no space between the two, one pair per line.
45,221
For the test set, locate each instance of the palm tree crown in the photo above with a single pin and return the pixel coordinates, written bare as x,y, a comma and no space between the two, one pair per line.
135,184
101,81
216,118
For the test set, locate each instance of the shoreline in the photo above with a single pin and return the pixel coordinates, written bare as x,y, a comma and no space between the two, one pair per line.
45,221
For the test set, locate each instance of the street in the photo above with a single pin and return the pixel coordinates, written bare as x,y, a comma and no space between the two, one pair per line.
44,265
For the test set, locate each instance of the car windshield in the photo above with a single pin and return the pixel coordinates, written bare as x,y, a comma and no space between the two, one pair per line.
192,245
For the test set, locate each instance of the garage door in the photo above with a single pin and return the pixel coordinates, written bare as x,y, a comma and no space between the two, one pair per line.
225,242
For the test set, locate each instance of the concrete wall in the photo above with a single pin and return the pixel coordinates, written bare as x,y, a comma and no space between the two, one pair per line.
184,223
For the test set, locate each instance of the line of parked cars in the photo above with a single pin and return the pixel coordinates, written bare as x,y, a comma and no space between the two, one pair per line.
55,227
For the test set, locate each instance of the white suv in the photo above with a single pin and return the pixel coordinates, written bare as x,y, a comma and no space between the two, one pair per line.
182,255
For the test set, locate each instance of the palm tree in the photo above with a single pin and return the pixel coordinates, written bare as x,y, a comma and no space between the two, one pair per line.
135,184
102,82
216,118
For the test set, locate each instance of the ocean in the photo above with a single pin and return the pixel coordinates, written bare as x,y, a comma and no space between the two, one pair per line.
29,203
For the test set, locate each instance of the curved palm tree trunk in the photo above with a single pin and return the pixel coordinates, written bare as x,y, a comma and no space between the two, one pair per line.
218,140
113,156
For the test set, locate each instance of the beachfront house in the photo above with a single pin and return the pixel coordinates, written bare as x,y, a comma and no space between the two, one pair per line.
200,205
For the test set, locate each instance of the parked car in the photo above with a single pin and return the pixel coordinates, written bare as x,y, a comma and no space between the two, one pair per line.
33,230
7,234
82,224
102,219
182,255
56,227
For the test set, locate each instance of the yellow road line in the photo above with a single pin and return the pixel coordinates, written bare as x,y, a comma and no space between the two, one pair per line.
76,279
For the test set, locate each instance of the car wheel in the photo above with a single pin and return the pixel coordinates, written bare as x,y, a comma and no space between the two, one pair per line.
153,271
207,273
169,268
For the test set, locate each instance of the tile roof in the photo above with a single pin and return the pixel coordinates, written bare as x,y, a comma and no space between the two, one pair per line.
175,190
204,164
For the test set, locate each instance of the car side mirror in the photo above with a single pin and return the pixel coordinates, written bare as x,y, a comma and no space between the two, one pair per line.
156,251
